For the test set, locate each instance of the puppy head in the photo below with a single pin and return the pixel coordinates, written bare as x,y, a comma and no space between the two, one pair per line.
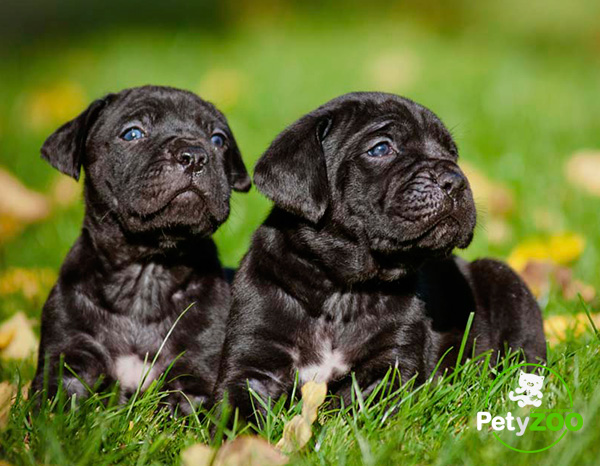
378,165
161,159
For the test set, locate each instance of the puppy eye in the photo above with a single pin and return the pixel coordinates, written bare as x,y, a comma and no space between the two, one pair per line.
133,133
380,150
218,140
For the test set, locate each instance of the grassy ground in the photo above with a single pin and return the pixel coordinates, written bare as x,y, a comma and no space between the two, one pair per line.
518,87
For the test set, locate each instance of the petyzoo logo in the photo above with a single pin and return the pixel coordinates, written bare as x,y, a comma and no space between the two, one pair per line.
536,409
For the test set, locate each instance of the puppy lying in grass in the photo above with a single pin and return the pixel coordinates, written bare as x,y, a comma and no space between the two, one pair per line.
160,164
353,270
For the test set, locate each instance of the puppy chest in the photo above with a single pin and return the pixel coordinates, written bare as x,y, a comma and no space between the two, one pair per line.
132,372
330,345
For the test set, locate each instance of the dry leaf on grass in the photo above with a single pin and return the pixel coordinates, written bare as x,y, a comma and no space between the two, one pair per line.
540,275
19,341
243,451
8,396
31,283
197,455
558,327
561,249
583,171
19,202
298,431
255,451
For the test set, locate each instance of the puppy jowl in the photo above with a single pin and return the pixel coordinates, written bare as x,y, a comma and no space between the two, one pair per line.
535,410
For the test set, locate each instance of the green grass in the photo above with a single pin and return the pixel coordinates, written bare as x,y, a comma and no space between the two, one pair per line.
518,85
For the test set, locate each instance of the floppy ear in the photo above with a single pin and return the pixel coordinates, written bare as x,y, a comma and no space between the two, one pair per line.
64,149
292,172
236,170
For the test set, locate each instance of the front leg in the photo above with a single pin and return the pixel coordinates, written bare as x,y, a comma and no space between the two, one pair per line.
87,362
258,363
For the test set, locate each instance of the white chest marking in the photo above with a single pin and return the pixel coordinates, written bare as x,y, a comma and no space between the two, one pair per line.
331,364
130,371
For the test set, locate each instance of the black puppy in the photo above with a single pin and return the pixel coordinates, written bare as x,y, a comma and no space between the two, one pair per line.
160,165
352,272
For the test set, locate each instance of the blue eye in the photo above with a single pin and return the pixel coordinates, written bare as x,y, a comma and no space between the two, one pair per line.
380,150
132,133
218,140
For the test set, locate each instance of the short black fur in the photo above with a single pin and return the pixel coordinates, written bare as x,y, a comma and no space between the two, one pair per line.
353,270
145,252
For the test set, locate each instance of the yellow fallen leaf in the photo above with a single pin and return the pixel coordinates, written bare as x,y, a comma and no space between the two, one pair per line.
556,328
53,105
565,248
31,283
17,334
8,396
297,432
222,87
249,451
583,171
560,249
197,455
8,393
313,396
19,202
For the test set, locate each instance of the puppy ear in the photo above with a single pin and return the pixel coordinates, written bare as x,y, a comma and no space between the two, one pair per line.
64,149
292,172
236,170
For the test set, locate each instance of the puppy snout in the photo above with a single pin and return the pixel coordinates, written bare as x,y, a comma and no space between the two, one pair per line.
192,157
452,182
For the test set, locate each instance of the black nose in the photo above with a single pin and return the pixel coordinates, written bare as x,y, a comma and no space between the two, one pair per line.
452,182
193,156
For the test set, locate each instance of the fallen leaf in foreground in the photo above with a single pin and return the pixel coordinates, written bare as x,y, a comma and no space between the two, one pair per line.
197,455
298,432
255,451
556,328
17,340
583,171
8,396
243,451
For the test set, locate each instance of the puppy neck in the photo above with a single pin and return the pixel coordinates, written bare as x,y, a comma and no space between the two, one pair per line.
344,257
118,247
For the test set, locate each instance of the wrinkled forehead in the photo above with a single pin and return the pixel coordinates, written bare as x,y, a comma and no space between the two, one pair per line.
383,113
159,105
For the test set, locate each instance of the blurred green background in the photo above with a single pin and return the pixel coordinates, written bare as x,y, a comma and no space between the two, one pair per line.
517,82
